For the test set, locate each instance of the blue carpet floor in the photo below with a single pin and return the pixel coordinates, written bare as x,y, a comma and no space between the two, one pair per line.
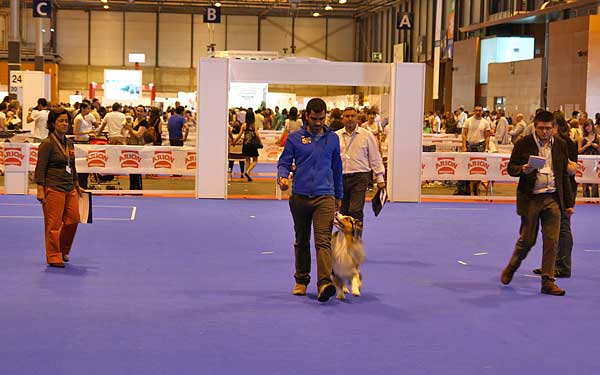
203,287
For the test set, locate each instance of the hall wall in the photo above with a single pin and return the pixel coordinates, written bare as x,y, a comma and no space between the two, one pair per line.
91,41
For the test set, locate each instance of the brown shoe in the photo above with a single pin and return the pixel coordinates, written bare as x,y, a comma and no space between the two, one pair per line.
507,274
509,271
326,291
549,287
299,290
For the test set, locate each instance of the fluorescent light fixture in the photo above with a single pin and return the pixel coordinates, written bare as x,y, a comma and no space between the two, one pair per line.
104,1
328,7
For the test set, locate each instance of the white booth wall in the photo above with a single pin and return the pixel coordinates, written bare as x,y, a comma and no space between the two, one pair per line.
406,82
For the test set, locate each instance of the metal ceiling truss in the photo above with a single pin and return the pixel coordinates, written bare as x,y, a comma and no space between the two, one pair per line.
284,8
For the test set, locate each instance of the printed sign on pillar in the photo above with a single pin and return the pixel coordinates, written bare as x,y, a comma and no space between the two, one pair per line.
212,15
42,8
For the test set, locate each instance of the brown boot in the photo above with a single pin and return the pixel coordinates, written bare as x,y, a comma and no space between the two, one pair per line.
509,271
549,287
299,290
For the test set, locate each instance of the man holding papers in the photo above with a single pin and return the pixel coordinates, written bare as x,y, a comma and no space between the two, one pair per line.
541,162
360,157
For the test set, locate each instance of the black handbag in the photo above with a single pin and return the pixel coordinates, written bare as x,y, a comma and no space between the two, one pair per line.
254,140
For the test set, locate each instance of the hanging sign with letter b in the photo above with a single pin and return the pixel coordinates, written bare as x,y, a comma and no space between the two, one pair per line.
212,15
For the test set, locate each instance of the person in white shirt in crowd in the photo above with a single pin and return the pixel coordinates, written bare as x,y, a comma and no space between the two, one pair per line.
360,157
475,138
114,121
502,133
373,127
516,132
461,118
39,114
437,124
240,113
82,126
82,129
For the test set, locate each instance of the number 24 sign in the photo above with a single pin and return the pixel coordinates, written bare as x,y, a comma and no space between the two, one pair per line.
16,78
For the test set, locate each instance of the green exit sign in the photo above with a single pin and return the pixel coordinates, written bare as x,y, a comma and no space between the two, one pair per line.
376,56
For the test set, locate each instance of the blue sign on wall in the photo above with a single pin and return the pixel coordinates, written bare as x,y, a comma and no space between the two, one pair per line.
42,8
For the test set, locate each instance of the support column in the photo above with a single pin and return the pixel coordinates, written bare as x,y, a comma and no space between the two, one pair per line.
14,40
39,45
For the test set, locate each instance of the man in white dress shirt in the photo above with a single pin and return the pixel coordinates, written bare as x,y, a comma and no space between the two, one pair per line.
39,114
360,156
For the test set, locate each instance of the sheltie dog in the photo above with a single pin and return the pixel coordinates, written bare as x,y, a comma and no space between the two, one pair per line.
348,255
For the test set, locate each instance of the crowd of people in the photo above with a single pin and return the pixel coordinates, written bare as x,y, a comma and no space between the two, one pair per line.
245,125
90,122
481,131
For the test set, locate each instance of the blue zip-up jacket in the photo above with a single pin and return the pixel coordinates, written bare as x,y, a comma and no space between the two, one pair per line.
318,164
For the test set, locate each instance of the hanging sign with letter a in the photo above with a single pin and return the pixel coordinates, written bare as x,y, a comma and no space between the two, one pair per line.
212,15
404,21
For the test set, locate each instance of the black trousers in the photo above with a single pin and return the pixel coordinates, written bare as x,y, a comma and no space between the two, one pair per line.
565,246
318,212
355,190
176,142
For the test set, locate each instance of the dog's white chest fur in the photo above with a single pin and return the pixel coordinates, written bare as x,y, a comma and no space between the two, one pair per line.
347,255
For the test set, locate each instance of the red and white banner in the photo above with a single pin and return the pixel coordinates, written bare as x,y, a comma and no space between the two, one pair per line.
22,157
490,166
135,159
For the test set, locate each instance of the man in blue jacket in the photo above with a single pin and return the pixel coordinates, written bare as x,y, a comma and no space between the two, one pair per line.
316,194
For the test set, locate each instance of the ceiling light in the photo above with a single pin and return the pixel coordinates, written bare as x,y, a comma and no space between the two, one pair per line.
328,7
342,1
43,30
316,14
52,29
106,7
104,1
218,4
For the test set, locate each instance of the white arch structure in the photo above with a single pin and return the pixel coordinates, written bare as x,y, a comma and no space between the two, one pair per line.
407,87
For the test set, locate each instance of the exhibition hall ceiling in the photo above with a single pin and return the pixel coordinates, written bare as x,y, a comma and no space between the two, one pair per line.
330,8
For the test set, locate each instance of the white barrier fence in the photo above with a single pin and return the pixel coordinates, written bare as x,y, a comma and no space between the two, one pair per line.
443,166
22,157
108,159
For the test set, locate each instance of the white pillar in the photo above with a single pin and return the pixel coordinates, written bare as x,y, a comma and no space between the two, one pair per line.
405,146
211,156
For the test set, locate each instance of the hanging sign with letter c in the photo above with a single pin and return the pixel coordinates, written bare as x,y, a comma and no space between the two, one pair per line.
41,8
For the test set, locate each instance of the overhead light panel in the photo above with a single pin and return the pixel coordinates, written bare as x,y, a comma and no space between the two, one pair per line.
342,1
104,1
316,14
328,7
218,4
106,7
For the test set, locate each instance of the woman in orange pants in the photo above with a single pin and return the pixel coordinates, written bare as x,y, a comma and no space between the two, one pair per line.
58,189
